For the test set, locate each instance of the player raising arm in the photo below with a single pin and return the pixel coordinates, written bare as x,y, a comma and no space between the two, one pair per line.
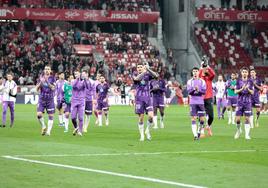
78,101
143,102
46,87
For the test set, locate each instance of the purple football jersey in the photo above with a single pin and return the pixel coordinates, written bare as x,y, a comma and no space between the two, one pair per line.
59,89
102,90
196,97
256,90
46,93
90,90
158,88
79,90
244,96
143,87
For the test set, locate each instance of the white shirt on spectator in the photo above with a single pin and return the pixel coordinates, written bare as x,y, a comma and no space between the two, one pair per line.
21,80
38,29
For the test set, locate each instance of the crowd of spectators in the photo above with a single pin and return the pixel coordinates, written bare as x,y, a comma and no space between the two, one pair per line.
252,5
123,5
25,52
226,5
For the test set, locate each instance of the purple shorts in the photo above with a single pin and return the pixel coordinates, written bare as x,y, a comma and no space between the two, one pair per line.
142,106
232,101
47,105
60,104
101,105
244,109
221,102
197,110
89,107
158,102
256,101
67,107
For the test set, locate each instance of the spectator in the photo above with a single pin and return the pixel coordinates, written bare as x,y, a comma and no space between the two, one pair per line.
170,55
60,67
174,69
29,80
21,80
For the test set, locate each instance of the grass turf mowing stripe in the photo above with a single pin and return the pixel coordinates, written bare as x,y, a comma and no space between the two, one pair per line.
152,153
154,180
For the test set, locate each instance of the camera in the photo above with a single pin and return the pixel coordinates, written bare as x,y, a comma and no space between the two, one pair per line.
204,62
119,82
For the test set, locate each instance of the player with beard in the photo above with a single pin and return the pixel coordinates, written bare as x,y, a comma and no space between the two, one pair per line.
143,102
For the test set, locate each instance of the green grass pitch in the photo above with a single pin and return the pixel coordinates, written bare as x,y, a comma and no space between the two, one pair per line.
245,166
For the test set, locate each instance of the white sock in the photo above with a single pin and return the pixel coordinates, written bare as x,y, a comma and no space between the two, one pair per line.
233,116
100,119
162,121
247,130
42,122
141,130
86,122
251,121
61,118
66,123
155,121
49,126
194,130
229,114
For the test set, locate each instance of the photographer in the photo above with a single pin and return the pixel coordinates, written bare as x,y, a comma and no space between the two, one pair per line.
122,89
207,74
9,89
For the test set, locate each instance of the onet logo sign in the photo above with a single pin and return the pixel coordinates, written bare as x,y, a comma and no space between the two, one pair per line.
214,15
247,16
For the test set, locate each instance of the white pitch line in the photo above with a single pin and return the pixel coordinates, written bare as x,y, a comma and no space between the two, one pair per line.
146,153
105,172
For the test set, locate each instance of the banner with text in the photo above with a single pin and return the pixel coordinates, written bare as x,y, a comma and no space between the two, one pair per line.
77,15
232,15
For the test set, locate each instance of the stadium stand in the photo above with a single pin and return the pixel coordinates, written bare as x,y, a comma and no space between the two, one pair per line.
226,51
124,5
26,52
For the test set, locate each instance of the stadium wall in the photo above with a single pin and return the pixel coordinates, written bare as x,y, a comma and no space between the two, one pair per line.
177,21
175,25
